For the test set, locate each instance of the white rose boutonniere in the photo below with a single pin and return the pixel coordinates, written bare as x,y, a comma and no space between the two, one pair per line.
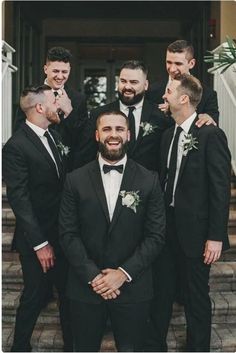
148,128
130,199
63,149
189,143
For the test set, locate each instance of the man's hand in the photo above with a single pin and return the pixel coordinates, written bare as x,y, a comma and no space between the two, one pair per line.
46,257
109,283
164,107
205,119
112,295
64,103
212,251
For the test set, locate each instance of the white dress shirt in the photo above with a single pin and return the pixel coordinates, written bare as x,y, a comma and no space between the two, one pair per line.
40,133
185,126
137,112
111,183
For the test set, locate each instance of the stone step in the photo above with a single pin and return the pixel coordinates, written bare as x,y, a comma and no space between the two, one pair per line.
222,276
223,309
48,338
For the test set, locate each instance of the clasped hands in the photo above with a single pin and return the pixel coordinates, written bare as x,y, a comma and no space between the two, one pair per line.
108,282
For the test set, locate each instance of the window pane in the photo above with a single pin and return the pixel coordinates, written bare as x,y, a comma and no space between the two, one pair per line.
95,87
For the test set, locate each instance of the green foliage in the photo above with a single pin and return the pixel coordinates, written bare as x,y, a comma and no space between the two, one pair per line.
224,59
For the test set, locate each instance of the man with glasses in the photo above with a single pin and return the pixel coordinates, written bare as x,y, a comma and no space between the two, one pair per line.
34,171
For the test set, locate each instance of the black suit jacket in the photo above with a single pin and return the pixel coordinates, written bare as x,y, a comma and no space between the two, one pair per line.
70,129
147,148
202,192
92,243
33,189
208,103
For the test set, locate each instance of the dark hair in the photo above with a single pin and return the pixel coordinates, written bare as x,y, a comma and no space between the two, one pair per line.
59,54
112,112
181,46
190,86
32,95
135,65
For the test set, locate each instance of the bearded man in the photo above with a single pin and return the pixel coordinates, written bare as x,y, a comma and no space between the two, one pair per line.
111,230
34,167
146,121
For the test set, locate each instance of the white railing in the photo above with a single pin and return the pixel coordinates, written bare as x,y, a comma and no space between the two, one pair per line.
225,86
7,70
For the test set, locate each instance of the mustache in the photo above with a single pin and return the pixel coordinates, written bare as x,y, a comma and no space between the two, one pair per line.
129,90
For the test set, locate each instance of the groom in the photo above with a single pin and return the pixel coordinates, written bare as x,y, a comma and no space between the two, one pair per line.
111,229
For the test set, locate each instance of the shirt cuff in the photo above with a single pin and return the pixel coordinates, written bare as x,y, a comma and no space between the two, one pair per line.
40,246
129,278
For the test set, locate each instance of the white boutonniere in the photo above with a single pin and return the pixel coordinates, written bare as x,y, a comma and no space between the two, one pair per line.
63,149
189,143
130,199
148,128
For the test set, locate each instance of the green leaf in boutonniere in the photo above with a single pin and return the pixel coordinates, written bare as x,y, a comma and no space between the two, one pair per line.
130,199
63,149
148,128
189,143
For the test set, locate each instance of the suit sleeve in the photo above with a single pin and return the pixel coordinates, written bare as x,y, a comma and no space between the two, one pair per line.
219,173
16,176
70,240
209,104
154,234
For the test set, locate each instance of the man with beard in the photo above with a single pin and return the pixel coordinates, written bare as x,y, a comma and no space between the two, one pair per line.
72,104
180,60
34,171
146,121
111,230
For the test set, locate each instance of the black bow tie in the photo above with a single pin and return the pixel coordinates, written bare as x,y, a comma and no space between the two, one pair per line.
108,167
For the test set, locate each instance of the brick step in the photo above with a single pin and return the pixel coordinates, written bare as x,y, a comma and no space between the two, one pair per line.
222,276
223,309
48,338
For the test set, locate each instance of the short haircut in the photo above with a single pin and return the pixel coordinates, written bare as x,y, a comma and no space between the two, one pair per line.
135,65
112,112
59,54
181,46
32,95
190,86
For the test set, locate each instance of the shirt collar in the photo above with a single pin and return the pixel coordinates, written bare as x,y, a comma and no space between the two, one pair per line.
38,130
187,123
102,161
139,105
54,90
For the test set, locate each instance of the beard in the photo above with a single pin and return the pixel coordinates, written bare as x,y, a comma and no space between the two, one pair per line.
130,100
113,155
53,117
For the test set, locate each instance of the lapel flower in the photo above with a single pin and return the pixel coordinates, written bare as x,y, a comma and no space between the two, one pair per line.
189,143
147,128
130,199
63,149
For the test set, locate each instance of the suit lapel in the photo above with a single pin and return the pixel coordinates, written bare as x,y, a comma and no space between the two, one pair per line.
164,154
145,117
96,178
194,131
39,145
127,185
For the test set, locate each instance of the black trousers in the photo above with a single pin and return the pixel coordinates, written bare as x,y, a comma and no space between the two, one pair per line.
128,321
174,268
32,300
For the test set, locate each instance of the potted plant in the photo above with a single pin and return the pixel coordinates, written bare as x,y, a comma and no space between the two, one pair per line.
224,58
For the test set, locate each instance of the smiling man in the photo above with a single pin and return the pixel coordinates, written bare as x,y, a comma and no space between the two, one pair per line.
111,229
72,106
144,145
180,60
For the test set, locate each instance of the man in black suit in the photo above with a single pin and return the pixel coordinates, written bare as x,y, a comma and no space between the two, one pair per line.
147,122
111,229
72,105
180,60
34,170
195,175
